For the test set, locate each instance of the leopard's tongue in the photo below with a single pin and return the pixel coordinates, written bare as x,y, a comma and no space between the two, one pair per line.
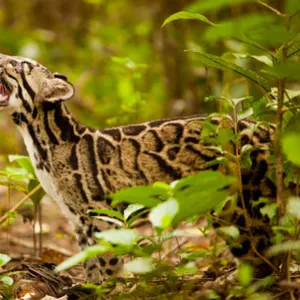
4,95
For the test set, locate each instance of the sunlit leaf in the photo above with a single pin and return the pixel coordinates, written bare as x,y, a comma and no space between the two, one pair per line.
145,195
230,231
186,16
293,207
4,259
119,236
7,280
291,144
199,204
110,219
294,49
131,209
246,113
87,253
261,58
140,265
288,70
189,268
288,94
247,99
245,274
219,63
107,212
200,182
269,210
162,215
24,162
169,234
283,247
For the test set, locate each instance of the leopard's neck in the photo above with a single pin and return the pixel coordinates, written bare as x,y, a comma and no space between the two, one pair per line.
47,129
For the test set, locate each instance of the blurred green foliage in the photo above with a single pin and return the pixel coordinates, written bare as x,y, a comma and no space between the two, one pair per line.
126,68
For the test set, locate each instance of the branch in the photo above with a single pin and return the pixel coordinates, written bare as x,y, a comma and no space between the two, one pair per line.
19,204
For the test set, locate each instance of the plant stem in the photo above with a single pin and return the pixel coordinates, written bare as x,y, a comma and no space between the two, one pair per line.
278,151
19,204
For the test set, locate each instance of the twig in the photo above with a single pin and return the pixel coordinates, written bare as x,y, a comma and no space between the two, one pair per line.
277,12
19,204
290,108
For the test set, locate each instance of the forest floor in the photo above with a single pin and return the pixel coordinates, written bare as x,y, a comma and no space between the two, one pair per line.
32,271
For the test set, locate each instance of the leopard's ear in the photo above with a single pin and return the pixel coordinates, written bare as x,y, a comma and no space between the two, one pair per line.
56,89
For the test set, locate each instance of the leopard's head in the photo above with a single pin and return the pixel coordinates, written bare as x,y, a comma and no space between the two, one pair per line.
25,85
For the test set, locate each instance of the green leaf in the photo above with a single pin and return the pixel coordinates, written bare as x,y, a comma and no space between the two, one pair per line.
128,63
24,162
199,204
188,268
4,259
294,48
145,195
96,2
271,35
291,145
107,212
169,234
119,236
7,280
110,219
292,6
212,6
247,99
288,70
288,94
197,195
246,113
38,195
17,174
246,149
239,28
200,182
140,265
283,247
245,274
230,231
186,16
87,253
219,63
131,209
269,210
293,207
162,215
261,58
226,136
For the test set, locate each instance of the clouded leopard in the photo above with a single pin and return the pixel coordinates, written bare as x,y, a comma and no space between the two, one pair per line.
78,165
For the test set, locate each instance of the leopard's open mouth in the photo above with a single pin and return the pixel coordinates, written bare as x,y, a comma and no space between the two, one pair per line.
4,92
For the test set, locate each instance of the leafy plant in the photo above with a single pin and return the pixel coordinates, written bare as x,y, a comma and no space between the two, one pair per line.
5,281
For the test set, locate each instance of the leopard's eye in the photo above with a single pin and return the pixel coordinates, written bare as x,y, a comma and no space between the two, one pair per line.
17,66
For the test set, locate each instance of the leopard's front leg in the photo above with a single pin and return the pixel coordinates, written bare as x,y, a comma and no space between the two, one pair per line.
104,266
